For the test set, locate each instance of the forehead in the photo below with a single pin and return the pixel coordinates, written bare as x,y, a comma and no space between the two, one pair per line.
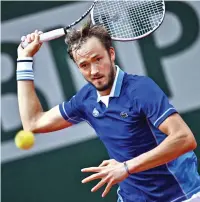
88,49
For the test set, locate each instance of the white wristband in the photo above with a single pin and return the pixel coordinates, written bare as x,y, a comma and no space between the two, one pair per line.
25,69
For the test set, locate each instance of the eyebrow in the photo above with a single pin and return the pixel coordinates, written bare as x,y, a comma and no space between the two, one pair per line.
97,55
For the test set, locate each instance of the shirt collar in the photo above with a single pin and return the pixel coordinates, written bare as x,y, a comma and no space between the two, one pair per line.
117,84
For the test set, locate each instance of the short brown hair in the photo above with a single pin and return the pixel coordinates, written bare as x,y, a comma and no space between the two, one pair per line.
75,38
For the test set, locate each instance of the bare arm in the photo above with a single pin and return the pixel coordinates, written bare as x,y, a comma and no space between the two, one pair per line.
31,112
32,115
179,141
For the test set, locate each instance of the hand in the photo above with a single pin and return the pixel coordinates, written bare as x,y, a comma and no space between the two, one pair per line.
32,48
109,171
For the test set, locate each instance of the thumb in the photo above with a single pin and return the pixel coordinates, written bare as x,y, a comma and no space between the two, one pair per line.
37,39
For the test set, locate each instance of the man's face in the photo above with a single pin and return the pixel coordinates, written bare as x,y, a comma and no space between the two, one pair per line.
96,65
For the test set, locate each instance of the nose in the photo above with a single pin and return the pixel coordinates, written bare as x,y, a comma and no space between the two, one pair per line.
94,69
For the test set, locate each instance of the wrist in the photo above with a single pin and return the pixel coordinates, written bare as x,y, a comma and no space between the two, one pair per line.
24,58
24,54
126,167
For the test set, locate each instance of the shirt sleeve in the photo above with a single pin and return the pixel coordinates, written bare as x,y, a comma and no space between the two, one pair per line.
71,110
153,102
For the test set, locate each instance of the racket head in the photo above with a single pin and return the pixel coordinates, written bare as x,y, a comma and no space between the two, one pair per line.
128,20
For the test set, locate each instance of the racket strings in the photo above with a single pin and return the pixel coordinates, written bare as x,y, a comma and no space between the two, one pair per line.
118,22
129,19
145,22
113,20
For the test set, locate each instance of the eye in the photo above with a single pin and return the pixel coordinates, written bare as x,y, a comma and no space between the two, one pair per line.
98,59
84,66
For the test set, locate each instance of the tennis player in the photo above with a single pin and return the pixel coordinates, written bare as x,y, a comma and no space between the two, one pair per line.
149,144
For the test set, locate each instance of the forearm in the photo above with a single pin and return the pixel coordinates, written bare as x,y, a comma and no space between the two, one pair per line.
32,115
171,148
29,104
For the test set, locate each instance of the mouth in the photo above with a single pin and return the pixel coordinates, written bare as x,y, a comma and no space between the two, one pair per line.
97,78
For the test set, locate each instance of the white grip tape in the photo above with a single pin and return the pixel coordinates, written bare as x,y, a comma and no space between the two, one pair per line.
47,36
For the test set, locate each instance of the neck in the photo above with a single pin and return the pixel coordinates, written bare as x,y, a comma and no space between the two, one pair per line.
105,92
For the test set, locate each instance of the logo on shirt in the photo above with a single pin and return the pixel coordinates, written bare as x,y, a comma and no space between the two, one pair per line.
95,112
123,114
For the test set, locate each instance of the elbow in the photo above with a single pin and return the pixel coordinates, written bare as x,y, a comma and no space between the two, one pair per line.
31,124
29,127
190,142
193,144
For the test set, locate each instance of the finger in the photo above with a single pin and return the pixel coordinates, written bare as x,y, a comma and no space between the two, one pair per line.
93,177
32,36
107,189
37,40
36,31
40,32
99,185
28,38
23,38
104,163
91,169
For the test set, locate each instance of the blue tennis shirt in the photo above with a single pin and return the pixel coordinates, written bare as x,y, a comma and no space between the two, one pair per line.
128,127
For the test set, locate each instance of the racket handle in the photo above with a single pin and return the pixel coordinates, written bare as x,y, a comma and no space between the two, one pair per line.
47,36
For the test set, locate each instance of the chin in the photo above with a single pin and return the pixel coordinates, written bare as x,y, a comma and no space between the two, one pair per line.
102,87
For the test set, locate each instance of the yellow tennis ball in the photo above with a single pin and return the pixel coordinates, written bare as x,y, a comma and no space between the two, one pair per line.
24,140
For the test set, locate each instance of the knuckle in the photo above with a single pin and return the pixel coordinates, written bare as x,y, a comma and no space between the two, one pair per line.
108,178
23,38
104,172
104,180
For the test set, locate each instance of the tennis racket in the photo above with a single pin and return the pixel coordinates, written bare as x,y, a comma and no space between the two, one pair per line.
125,20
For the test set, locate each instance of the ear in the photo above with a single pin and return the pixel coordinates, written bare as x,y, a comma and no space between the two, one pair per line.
112,54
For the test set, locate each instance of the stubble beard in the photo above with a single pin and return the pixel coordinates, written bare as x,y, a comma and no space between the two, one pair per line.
111,78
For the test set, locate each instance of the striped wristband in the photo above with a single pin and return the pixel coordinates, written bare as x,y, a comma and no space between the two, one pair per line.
126,167
25,69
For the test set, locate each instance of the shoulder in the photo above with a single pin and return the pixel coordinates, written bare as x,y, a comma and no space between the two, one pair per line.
136,82
141,88
85,92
